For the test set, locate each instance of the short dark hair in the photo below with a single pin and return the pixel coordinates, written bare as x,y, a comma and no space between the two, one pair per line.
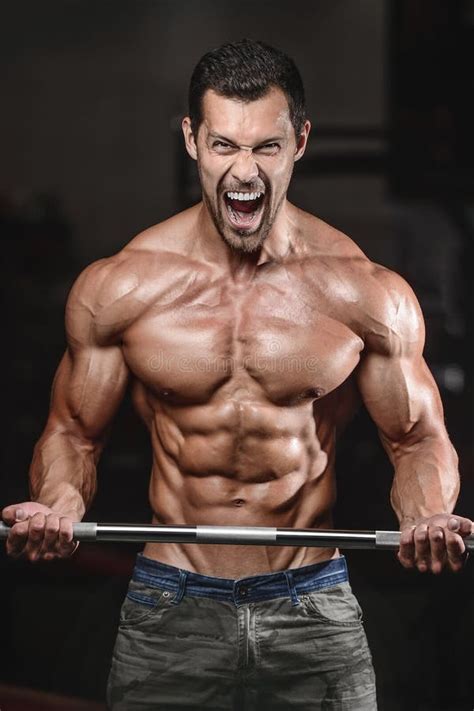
247,70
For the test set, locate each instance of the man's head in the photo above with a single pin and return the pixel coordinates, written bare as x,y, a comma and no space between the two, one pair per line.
246,127
246,70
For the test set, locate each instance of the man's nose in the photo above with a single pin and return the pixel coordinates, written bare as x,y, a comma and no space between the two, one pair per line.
244,168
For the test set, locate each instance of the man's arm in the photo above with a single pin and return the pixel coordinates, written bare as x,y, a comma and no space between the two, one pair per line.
403,400
88,387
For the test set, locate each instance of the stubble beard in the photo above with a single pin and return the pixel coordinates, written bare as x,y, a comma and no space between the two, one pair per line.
241,240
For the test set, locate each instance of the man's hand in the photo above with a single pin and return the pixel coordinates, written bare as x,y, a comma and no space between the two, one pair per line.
37,532
434,543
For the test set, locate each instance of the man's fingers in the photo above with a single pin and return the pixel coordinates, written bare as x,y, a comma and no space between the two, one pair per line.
406,554
422,548
455,548
11,514
17,539
438,548
66,543
460,525
37,532
22,511
58,538
435,543
35,536
51,532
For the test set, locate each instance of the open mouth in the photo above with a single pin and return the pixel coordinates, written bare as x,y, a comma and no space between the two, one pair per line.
244,209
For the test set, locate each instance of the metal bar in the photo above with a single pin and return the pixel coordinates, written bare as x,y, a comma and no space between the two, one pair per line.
236,535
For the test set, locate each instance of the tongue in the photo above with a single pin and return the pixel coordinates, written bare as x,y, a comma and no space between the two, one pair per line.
244,205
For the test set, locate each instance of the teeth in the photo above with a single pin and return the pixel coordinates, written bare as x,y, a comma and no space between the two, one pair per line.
243,196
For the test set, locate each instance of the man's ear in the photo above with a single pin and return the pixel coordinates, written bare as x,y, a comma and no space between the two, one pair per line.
189,138
303,140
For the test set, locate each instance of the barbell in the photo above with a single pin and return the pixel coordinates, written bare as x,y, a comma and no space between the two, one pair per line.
235,535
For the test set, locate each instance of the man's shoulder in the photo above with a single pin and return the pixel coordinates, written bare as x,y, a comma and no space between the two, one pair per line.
329,246
388,309
378,300
102,282
152,252
112,292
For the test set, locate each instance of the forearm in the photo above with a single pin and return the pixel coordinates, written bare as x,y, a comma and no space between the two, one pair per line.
426,480
63,472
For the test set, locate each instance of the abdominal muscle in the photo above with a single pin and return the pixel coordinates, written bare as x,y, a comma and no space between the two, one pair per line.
278,473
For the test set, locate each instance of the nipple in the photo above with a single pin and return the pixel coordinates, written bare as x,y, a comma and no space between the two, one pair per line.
314,392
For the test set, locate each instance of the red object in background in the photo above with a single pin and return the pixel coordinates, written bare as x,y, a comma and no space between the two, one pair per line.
13,698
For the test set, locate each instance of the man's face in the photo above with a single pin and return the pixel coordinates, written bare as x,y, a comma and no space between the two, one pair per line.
245,154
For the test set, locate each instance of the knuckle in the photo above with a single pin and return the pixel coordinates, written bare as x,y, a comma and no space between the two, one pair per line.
38,516
436,535
37,524
52,527
17,532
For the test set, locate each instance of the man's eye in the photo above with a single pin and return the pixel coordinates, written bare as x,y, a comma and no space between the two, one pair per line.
268,148
221,145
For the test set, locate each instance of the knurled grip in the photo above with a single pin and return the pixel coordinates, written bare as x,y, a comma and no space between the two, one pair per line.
387,539
85,531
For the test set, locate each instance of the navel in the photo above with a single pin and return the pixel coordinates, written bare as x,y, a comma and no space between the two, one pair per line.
165,393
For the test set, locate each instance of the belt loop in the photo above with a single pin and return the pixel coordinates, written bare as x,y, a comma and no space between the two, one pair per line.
291,588
183,576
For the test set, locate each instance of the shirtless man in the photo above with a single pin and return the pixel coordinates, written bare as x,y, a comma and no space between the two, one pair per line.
245,328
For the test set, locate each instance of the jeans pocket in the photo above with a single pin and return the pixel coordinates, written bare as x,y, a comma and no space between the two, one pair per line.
336,605
143,601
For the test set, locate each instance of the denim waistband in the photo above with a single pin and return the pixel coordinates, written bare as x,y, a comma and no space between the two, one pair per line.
256,588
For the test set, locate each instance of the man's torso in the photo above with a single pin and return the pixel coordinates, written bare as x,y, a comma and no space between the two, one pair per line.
243,380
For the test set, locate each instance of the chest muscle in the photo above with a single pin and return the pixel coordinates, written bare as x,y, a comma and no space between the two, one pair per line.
287,347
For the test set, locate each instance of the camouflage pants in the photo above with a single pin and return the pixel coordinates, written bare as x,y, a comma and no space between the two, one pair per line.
287,640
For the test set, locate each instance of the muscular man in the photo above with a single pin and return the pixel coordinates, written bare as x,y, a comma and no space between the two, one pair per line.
244,327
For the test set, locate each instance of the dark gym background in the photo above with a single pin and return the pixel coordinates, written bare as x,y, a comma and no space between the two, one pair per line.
92,95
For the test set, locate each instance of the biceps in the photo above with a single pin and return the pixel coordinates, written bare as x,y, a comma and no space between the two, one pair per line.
87,390
400,395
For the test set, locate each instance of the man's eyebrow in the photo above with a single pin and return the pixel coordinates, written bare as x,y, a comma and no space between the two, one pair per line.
272,139
221,138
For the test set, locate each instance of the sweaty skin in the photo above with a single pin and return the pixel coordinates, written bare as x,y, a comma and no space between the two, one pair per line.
248,346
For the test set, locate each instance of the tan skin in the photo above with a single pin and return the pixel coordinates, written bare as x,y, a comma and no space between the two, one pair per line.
246,351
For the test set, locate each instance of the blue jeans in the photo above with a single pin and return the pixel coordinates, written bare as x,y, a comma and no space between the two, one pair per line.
278,641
